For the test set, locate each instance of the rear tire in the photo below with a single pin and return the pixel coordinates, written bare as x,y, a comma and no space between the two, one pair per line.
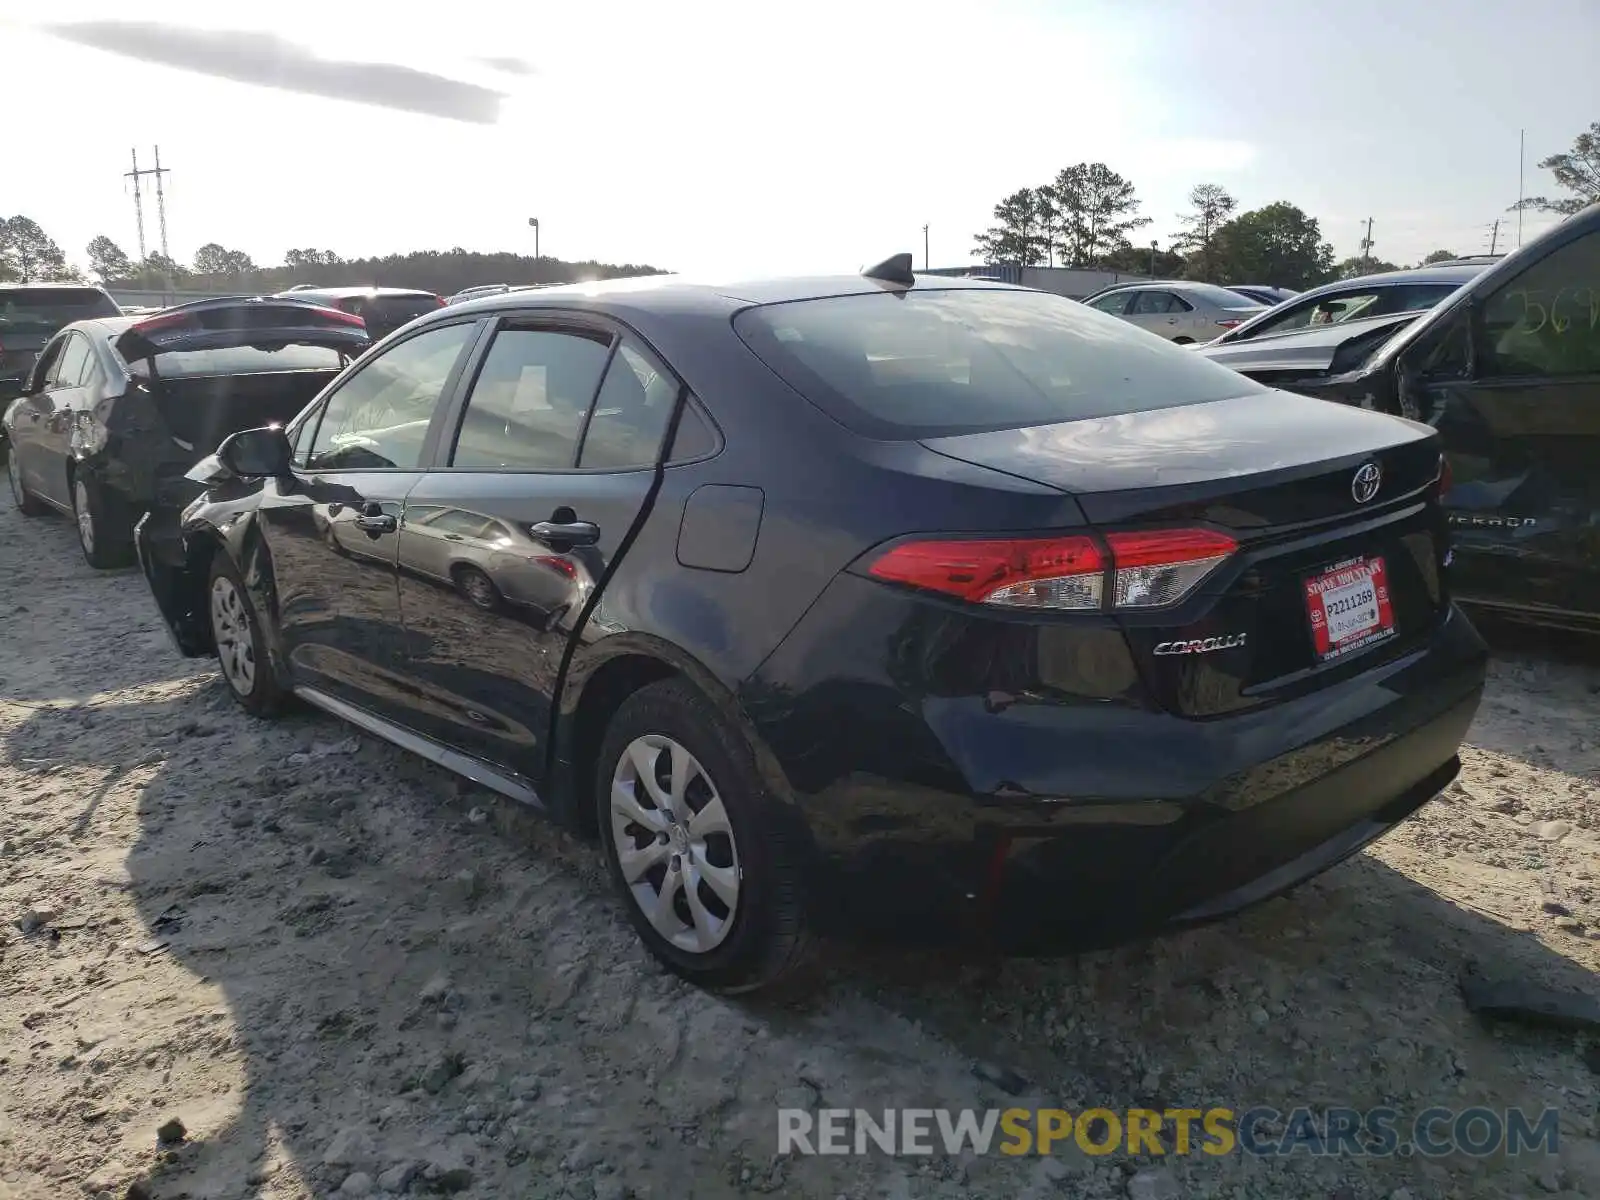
104,531
241,650
712,881
477,587
24,500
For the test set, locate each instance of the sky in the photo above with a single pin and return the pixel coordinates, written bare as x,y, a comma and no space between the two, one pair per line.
739,139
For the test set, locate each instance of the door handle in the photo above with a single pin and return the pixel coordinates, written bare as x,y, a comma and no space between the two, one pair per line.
374,521
570,533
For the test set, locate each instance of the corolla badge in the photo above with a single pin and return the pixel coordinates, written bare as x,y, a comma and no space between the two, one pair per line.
1202,645
1366,481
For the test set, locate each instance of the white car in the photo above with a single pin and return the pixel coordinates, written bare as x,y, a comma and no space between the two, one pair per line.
1178,310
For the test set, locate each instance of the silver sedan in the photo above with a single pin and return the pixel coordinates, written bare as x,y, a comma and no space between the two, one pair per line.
1178,310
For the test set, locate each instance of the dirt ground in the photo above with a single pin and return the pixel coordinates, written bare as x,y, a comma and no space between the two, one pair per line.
346,972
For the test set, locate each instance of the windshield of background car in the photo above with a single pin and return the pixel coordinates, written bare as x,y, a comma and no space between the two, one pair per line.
916,364
241,360
43,311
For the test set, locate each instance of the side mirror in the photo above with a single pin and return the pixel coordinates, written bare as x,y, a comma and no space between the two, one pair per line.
257,453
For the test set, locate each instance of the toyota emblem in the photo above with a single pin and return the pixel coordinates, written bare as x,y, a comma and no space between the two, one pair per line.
1366,481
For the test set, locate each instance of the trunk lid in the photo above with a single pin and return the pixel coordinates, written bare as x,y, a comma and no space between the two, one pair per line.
1279,473
261,322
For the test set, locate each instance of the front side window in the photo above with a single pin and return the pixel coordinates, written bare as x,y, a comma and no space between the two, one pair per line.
631,413
527,405
1546,321
930,363
378,418
1326,310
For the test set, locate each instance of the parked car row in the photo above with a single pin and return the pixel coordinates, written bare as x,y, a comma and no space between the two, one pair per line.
856,604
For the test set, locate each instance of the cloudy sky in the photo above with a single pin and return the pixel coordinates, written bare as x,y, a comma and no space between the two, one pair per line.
749,138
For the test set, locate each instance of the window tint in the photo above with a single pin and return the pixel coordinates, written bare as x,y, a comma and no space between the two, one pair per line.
459,521
694,437
1116,303
1546,321
632,412
379,417
1220,296
42,311
70,366
1327,310
927,363
528,402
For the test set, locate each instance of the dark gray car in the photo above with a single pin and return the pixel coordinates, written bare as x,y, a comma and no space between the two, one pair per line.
30,315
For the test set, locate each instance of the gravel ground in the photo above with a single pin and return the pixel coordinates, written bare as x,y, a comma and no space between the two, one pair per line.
346,972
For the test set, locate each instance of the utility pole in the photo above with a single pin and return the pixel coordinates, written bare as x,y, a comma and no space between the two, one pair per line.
925,265
1522,154
1154,246
534,221
1494,236
1366,246
138,200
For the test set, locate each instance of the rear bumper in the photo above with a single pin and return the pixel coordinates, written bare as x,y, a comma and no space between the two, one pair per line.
1119,821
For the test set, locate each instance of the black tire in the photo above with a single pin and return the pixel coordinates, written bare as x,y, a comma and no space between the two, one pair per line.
105,527
24,501
261,696
767,942
477,587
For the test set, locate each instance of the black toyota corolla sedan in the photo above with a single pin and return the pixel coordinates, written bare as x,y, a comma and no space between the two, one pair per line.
890,605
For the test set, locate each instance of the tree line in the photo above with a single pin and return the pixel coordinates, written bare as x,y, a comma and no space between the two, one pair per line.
1088,217
28,254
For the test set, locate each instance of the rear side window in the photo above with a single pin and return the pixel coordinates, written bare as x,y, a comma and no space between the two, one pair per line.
42,311
379,417
931,363
527,405
70,367
631,413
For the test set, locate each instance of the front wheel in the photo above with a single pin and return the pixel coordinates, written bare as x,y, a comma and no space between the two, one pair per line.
241,650
104,530
695,844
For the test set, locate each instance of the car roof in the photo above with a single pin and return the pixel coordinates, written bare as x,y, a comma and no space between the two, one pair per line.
54,287
342,292
1452,273
676,293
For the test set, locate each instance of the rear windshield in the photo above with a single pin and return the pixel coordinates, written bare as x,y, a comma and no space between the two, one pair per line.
395,310
933,363
45,310
1226,297
242,360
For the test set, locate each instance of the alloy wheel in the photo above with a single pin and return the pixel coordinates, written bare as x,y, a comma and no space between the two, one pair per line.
674,843
80,510
230,626
479,590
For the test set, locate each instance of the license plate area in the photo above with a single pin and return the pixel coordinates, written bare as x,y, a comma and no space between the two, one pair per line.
1348,607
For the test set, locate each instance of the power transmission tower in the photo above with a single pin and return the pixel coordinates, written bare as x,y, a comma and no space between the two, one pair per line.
161,206
1366,246
138,199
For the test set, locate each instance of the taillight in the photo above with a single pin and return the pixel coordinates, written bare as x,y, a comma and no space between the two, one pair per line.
1148,569
151,324
1065,572
1229,324
1446,477
1159,567
344,318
